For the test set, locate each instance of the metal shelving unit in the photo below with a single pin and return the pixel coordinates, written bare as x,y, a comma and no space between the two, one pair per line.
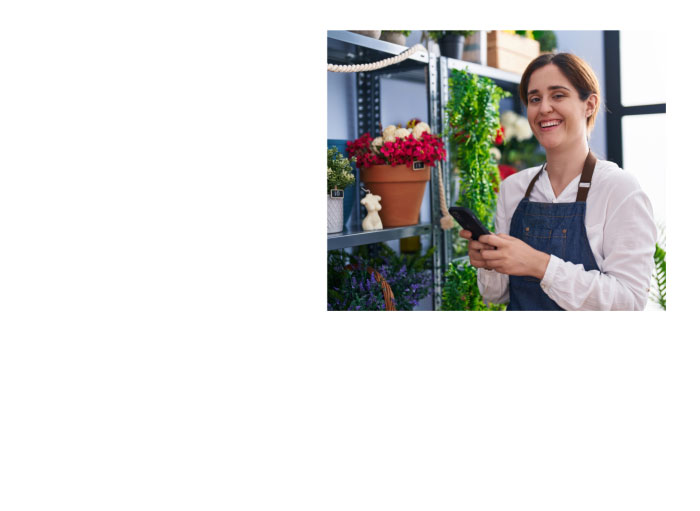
346,48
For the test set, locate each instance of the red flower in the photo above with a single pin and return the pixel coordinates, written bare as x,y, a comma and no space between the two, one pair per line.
500,135
506,170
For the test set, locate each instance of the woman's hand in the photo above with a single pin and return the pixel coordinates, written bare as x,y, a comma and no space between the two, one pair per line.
475,250
512,256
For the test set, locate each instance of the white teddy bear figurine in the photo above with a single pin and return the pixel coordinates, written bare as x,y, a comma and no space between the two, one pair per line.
372,222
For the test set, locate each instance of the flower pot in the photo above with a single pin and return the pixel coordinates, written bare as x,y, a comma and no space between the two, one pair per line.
401,189
335,214
452,46
374,34
393,37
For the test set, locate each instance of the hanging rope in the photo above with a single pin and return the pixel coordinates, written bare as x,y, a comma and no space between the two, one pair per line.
360,68
446,221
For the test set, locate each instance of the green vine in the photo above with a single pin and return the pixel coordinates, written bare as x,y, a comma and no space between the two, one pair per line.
474,119
461,291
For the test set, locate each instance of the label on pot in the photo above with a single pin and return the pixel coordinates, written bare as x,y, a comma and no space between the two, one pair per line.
337,194
418,165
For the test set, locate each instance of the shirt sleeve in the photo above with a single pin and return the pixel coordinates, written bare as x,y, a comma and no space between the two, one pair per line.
629,241
493,286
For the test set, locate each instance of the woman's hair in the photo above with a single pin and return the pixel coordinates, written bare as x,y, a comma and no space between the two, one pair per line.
576,70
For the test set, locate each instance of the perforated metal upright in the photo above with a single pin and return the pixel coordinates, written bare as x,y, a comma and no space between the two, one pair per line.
435,120
369,121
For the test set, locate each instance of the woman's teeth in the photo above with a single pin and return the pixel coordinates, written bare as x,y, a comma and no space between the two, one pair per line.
550,124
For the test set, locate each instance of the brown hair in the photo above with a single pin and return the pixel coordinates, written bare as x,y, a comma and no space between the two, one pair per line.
576,70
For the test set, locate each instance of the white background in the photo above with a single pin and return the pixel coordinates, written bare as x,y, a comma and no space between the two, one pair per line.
164,342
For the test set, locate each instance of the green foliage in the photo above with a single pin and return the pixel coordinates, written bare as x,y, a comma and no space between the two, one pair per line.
659,295
402,32
461,291
474,119
547,39
522,154
436,35
340,173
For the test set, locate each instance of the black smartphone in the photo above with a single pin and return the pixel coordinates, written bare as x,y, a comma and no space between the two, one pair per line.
469,221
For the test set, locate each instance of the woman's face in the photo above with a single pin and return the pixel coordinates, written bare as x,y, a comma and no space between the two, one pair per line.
556,115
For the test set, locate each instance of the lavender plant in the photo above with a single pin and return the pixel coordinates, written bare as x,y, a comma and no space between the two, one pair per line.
409,276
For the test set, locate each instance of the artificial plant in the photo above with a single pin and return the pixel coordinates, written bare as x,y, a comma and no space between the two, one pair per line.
474,122
461,291
473,116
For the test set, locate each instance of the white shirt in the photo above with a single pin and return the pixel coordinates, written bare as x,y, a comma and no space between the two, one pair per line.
621,232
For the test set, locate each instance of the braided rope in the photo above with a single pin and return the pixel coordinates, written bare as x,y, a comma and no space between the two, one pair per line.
359,68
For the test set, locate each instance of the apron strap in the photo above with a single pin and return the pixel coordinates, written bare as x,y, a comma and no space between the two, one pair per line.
532,183
584,184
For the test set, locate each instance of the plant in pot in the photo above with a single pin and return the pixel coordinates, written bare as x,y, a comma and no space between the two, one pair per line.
451,41
397,167
461,291
395,36
339,177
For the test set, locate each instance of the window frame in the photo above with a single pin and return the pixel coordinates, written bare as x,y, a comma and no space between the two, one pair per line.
615,110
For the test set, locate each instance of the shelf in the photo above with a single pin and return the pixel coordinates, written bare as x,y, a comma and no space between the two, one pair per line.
347,48
498,75
354,238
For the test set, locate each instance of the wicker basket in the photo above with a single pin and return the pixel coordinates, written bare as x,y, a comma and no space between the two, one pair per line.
386,288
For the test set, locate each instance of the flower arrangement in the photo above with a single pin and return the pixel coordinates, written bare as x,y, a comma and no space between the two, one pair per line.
409,277
398,146
340,174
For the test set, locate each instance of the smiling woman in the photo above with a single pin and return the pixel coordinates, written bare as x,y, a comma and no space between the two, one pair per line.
566,248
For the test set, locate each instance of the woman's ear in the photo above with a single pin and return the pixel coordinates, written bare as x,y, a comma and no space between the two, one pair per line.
591,104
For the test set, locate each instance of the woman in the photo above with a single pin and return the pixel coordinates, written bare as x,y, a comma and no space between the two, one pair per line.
581,232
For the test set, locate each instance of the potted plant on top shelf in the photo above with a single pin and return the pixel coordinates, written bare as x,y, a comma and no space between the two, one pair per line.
397,166
451,41
395,36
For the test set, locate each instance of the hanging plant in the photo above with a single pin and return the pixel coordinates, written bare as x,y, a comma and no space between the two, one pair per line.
474,124
473,116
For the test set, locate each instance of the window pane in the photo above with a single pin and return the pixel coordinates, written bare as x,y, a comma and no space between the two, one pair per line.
643,147
642,67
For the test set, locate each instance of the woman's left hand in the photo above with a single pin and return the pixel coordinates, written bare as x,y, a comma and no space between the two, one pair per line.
513,256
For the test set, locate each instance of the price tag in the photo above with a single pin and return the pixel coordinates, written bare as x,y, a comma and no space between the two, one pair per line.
418,165
337,194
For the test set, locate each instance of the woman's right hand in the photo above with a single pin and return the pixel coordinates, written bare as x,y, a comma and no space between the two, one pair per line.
475,248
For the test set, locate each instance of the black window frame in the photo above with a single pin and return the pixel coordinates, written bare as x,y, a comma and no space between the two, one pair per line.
615,111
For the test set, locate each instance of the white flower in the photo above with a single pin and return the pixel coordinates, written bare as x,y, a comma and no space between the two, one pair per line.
522,129
388,133
419,129
495,153
401,133
376,144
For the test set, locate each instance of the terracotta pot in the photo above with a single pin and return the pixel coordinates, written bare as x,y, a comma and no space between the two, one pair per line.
401,189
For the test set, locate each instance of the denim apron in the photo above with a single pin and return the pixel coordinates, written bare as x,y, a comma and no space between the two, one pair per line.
553,228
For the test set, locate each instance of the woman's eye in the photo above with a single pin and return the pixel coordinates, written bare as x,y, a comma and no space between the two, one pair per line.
534,100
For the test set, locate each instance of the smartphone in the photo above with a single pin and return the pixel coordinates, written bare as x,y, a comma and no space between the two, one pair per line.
469,221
